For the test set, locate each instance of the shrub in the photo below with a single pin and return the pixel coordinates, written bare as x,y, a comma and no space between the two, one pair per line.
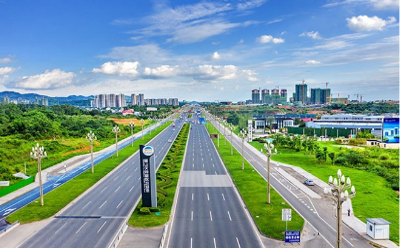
384,156
144,211
154,210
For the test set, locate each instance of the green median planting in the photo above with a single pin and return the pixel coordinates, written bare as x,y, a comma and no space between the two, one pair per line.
58,198
167,179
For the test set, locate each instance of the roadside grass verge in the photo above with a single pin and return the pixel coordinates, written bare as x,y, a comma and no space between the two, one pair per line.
167,180
58,198
253,190
374,199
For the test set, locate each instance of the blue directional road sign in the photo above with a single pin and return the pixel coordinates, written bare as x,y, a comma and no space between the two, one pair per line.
292,236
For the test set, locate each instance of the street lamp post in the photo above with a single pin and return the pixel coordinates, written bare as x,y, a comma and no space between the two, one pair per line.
38,153
132,126
141,123
116,130
243,134
268,151
90,137
149,119
231,127
224,122
339,194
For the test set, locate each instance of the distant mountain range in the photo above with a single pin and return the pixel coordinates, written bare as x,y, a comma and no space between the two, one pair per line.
31,97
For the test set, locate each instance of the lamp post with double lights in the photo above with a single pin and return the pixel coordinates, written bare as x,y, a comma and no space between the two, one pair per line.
269,147
38,153
339,194
132,126
231,127
90,137
141,123
243,135
116,130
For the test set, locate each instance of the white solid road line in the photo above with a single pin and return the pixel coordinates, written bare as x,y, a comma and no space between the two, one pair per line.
101,227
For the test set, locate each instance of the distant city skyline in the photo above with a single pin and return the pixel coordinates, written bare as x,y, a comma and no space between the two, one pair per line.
200,50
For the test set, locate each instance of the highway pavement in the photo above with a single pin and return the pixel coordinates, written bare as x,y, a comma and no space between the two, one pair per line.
209,212
95,218
316,211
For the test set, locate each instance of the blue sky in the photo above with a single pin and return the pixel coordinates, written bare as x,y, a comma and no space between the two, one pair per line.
199,50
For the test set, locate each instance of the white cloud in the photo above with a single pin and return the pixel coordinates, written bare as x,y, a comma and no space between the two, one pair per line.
48,80
5,60
7,70
161,71
386,4
118,68
268,39
215,56
365,23
312,62
250,4
142,53
312,34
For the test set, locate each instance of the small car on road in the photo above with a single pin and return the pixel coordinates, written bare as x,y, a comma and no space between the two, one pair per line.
309,182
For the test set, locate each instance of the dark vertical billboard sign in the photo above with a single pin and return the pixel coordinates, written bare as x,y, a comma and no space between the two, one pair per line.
148,176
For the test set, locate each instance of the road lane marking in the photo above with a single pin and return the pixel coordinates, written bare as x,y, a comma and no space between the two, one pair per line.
136,168
86,204
237,240
116,178
213,165
127,178
125,169
103,204
191,242
81,227
208,197
210,216
215,243
103,189
223,196
117,189
60,228
229,216
191,218
101,227
216,173
192,196
120,203
139,178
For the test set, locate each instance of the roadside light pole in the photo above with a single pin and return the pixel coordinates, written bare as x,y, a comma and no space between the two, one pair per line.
149,119
90,137
116,130
243,134
268,151
224,122
231,127
38,153
132,126
339,194
141,123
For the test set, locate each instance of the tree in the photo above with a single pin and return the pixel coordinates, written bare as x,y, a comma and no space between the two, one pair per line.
325,152
332,157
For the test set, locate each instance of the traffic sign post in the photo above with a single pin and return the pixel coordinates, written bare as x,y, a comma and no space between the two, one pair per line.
292,236
286,215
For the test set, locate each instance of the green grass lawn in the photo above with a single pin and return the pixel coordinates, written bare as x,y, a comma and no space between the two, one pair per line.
253,190
58,198
374,199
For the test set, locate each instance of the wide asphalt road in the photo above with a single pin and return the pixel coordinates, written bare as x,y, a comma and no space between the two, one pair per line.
94,219
314,210
209,212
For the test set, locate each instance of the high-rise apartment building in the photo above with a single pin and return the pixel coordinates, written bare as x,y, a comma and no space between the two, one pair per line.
173,101
320,96
300,94
141,100
264,96
134,100
255,96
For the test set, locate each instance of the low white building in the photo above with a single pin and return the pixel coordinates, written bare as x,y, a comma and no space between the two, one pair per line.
378,228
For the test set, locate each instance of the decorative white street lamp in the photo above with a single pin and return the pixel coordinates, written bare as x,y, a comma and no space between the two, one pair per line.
224,122
90,137
132,126
243,135
149,119
141,123
269,152
231,127
38,153
116,130
339,194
